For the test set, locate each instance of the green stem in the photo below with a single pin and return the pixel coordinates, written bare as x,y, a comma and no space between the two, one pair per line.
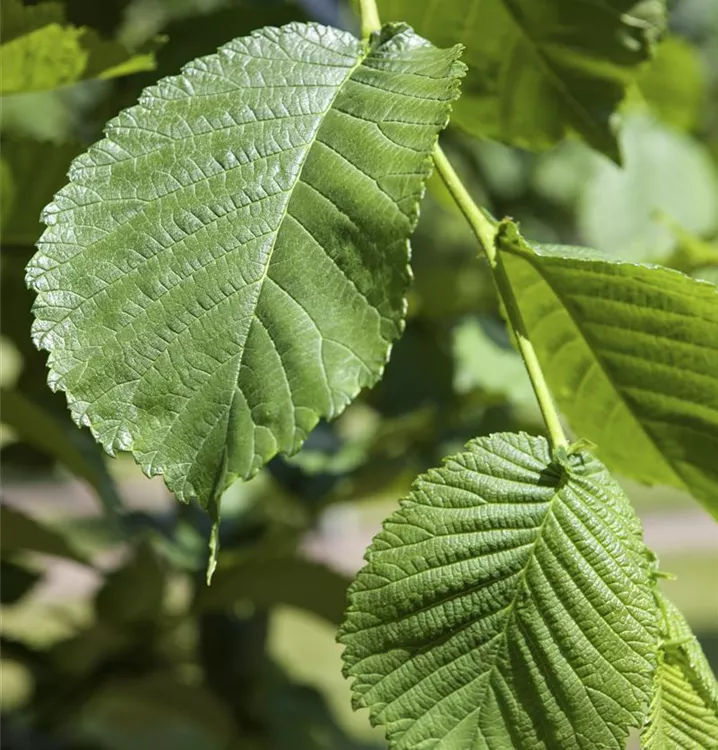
485,230
369,18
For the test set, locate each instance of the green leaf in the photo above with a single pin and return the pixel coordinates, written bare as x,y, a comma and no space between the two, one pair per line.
629,352
673,85
35,172
684,709
230,263
666,174
507,603
540,68
19,532
287,579
40,51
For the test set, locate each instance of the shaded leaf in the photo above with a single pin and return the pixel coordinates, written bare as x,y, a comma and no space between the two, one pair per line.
17,580
178,322
684,709
40,51
19,532
133,594
269,581
629,352
540,68
507,603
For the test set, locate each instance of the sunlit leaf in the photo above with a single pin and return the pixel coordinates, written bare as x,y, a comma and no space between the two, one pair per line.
507,603
250,276
630,354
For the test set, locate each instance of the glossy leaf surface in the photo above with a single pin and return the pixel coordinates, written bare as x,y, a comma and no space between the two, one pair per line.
230,263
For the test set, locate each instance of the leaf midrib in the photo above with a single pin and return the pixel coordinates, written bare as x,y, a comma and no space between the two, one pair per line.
366,52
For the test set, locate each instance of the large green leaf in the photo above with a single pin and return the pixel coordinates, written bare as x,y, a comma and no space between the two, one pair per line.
684,708
630,354
539,68
230,263
40,51
506,604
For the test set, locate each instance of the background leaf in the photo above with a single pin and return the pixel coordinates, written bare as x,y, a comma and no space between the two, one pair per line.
40,51
666,174
23,533
629,353
178,323
540,68
507,603
272,580
684,709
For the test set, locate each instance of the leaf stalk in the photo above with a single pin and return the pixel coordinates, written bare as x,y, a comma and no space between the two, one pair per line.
484,228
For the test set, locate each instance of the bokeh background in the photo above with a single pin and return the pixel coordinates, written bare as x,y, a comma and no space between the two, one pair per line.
110,638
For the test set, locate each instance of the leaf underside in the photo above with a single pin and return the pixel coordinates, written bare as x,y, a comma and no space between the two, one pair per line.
684,709
540,68
630,352
230,263
506,604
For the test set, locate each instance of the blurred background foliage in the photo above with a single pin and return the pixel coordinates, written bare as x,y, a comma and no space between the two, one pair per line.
110,639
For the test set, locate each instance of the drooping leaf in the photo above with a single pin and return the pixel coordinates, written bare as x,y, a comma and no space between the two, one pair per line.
285,579
684,709
35,172
630,354
540,68
666,173
230,263
507,603
19,533
40,51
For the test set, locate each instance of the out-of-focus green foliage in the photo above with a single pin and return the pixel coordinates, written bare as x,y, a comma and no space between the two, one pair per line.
41,51
132,650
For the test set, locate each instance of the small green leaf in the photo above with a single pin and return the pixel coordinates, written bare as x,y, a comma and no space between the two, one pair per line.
684,710
21,533
507,604
230,263
540,68
40,51
629,352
